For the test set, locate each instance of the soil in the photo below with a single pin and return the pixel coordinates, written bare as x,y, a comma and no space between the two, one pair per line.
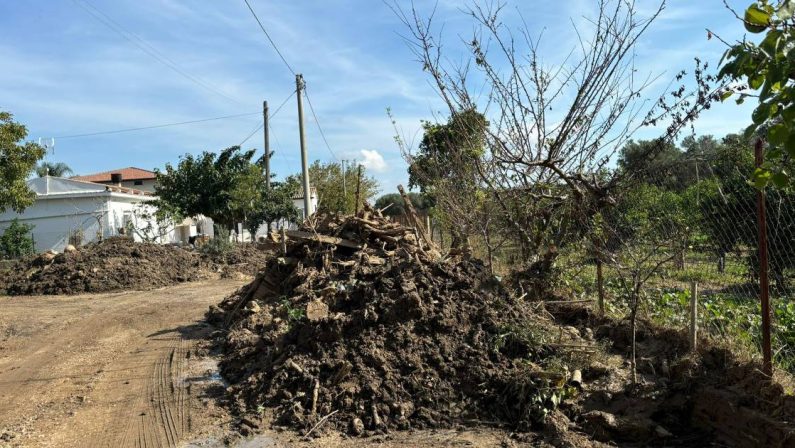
119,264
132,369
108,370
361,330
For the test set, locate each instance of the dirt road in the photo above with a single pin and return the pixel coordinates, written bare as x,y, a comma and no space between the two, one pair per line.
105,369
118,370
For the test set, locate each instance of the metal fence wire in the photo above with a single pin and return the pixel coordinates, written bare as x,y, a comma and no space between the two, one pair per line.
692,222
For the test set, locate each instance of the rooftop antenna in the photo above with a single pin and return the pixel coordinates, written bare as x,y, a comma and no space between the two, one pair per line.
48,144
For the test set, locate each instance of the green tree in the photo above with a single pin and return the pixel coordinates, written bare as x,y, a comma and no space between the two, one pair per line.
334,196
445,168
768,69
653,162
396,207
17,240
203,185
644,231
274,204
54,169
227,187
17,161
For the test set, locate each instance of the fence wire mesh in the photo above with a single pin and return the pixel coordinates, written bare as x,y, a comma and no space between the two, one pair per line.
693,223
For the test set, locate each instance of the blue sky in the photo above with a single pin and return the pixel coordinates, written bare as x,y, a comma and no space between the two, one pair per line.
63,72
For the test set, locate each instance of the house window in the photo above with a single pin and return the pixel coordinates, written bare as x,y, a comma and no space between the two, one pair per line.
138,182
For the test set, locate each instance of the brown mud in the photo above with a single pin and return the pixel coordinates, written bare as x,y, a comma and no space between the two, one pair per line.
361,329
119,264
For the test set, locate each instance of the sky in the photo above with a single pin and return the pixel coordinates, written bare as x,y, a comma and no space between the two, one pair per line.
72,67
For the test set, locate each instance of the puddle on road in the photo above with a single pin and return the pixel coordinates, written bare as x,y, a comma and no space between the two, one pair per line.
204,372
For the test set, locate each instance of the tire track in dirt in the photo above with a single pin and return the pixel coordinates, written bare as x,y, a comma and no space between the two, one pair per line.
161,416
103,370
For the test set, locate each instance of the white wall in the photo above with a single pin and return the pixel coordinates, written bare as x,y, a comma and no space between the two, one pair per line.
55,219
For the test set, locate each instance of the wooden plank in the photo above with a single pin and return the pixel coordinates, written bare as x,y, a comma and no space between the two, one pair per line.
309,236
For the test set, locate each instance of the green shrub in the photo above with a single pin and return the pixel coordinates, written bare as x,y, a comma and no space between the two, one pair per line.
220,244
17,240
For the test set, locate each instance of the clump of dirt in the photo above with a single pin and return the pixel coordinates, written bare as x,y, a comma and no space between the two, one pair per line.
705,398
363,328
117,264
245,259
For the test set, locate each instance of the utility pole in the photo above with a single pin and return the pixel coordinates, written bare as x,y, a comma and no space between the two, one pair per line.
299,86
344,188
267,145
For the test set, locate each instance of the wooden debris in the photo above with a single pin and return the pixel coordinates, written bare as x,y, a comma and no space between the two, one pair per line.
308,236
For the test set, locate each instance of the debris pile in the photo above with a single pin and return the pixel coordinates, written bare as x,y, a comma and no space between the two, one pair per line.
362,327
117,264
245,260
114,264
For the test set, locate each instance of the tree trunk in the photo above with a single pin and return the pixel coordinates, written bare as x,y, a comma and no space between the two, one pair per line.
490,253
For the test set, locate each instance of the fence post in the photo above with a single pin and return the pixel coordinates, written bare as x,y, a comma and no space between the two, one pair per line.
764,285
693,316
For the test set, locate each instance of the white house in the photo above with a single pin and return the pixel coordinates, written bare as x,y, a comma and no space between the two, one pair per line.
72,211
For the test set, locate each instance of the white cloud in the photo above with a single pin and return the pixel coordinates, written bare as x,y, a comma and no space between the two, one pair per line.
373,160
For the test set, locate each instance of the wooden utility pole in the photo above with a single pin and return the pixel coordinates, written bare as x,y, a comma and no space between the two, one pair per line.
344,186
299,86
764,284
358,187
267,145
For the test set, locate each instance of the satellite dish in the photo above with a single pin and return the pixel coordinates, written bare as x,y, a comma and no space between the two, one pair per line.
48,144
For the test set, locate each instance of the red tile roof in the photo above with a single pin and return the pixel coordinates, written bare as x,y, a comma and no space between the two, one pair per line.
129,173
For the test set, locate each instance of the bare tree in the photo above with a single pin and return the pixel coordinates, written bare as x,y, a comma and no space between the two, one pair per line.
552,129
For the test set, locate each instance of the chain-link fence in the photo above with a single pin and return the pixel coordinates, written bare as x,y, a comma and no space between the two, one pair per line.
690,228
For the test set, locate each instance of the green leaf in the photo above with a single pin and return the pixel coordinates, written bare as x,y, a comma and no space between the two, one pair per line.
726,95
789,146
756,19
780,179
761,178
778,134
761,113
756,82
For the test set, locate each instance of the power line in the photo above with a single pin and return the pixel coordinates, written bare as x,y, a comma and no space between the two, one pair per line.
317,122
146,47
273,114
117,131
259,126
289,67
269,37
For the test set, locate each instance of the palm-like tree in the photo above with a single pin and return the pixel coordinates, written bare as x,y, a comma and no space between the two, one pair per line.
55,169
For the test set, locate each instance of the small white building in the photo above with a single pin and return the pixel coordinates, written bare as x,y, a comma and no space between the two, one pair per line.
72,211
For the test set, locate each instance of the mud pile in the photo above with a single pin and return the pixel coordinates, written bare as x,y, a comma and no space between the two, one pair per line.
118,264
708,398
111,265
362,328
246,259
